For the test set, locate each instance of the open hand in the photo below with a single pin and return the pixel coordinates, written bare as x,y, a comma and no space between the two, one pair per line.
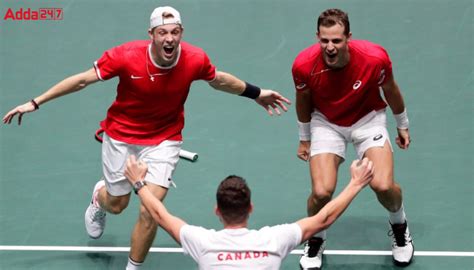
20,110
270,100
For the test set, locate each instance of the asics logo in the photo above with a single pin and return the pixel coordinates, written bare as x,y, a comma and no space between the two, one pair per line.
381,77
356,85
301,86
135,77
378,137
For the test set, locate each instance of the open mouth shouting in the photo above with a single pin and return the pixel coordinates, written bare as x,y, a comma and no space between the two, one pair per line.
169,51
331,58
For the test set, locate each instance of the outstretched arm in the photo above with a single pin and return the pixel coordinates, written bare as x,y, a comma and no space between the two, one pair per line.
135,172
361,174
71,84
268,99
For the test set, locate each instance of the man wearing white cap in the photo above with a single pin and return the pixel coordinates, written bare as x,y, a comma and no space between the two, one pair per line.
146,117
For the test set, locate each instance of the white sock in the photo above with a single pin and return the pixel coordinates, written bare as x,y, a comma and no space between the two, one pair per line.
133,265
95,200
398,217
321,234
95,197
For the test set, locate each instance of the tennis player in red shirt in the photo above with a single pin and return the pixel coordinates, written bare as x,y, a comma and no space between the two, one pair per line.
147,116
338,84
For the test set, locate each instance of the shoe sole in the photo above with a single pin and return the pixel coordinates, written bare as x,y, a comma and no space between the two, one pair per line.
95,238
404,264
311,268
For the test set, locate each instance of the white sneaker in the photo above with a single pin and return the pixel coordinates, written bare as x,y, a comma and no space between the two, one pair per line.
95,216
312,258
402,244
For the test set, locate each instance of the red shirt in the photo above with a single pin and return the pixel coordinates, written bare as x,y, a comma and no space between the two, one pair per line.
149,107
344,95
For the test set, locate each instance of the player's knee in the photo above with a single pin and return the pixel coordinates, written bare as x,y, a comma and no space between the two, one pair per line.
146,219
321,195
117,206
382,187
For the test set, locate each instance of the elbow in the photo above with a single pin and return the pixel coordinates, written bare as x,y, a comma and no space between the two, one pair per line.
156,217
214,85
81,85
325,225
82,80
326,220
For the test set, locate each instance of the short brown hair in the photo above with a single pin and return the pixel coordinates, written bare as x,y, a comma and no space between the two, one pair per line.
233,199
334,16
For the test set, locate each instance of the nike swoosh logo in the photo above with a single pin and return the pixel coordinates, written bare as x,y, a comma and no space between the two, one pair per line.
135,77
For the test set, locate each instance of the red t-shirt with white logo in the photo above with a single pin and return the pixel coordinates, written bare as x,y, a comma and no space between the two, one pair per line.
149,107
344,95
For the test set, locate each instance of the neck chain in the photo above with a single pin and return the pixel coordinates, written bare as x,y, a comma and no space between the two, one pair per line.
319,72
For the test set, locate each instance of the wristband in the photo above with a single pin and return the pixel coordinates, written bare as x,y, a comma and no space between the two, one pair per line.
304,131
138,185
34,104
402,120
251,91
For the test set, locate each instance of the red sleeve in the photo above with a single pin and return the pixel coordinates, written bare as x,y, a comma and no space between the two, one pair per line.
208,70
109,64
386,70
298,79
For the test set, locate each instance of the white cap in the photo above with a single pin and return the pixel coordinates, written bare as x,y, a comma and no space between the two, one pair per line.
157,18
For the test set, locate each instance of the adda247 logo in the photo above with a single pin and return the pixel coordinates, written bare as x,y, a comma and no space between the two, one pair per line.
28,14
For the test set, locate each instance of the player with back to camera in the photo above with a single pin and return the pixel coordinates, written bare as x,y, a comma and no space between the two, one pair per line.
338,83
237,247
147,116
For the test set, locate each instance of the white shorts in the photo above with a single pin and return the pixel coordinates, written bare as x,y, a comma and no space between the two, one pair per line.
161,160
370,131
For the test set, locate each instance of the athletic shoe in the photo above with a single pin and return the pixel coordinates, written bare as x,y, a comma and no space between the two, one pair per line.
312,258
95,216
402,244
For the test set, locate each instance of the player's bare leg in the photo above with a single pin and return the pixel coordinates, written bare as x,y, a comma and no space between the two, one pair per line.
323,169
145,229
389,195
112,204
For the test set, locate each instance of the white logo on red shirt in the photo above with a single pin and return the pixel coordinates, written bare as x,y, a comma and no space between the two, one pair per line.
381,77
236,256
301,86
135,77
356,85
